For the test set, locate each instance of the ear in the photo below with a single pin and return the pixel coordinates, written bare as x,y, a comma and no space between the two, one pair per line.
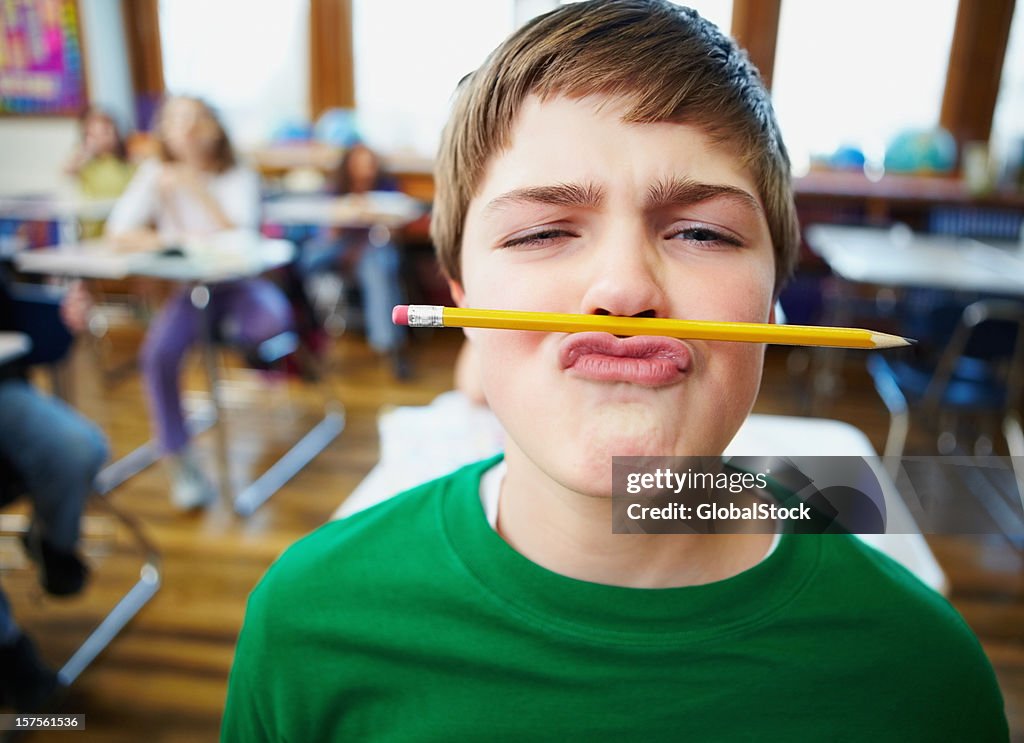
459,297
458,293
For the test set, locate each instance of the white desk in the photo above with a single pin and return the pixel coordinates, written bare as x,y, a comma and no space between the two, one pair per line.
419,444
225,256
898,258
13,345
222,257
389,209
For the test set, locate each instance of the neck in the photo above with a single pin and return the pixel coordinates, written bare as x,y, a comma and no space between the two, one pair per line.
571,534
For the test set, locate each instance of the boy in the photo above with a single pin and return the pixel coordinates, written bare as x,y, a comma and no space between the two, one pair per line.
613,158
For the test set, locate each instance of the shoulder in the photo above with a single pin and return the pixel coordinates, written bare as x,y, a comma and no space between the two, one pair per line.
381,544
867,570
867,576
908,614
918,634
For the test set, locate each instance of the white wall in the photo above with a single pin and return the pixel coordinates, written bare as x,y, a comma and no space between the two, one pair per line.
33,150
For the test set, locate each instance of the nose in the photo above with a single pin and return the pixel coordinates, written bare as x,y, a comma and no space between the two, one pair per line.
624,280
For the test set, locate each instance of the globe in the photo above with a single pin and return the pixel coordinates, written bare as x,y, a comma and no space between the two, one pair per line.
338,127
921,151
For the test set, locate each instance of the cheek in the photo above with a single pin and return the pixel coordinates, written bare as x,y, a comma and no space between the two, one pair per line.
730,295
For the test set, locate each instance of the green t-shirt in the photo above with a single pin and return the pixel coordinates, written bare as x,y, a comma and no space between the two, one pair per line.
415,621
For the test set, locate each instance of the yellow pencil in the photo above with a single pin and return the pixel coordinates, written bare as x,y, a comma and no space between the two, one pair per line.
436,316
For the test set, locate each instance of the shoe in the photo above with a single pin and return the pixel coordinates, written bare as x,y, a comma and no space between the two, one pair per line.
26,683
61,573
190,489
191,492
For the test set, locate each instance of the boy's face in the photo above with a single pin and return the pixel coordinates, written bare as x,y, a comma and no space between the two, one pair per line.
586,214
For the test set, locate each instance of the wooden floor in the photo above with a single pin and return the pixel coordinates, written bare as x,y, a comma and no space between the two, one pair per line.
164,678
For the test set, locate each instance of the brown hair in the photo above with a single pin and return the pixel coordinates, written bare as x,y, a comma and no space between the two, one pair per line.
341,180
223,156
666,62
96,112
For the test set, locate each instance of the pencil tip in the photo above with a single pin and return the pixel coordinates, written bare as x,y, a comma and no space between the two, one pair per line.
886,340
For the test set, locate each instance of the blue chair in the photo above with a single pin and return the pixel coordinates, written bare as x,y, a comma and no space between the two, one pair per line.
980,371
37,314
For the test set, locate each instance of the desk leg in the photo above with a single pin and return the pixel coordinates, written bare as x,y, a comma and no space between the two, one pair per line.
200,297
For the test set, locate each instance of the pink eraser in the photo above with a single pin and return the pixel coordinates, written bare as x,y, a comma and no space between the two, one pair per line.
400,315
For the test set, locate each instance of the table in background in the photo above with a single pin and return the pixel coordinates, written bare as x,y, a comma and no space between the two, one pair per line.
390,209
226,256
899,260
896,257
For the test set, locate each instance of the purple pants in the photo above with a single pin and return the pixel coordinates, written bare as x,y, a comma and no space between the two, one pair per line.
244,312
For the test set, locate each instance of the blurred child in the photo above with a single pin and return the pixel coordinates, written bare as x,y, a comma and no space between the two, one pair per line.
367,252
196,187
100,166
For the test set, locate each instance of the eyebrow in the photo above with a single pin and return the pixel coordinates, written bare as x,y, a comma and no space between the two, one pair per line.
561,194
665,193
681,191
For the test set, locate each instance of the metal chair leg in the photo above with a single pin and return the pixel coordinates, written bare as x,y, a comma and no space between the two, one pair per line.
1015,444
899,417
130,604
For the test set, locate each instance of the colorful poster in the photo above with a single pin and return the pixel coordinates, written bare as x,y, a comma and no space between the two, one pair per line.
40,58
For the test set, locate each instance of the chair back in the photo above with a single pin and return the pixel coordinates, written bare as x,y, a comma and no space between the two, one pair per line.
986,344
37,314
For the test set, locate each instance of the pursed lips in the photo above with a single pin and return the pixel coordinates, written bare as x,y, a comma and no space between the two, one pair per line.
651,361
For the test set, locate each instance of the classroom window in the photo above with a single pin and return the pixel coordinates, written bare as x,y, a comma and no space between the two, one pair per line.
249,60
858,73
1008,123
410,55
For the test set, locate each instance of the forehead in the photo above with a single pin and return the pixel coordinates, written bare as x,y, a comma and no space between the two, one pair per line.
178,109
565,139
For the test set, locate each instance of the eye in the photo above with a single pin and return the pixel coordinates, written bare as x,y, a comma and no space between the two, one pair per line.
537,239
705,236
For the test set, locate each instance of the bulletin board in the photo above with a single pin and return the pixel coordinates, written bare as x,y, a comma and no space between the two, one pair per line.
41,71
